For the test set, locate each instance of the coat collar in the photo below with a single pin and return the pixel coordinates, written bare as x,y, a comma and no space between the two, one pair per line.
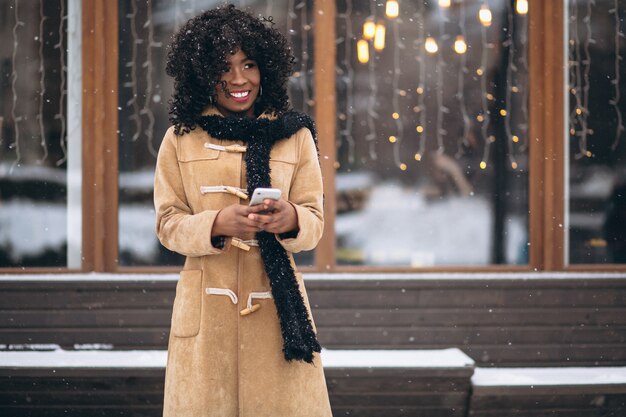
214,111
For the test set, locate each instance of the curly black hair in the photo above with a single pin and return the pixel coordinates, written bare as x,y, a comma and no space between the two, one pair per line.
197,57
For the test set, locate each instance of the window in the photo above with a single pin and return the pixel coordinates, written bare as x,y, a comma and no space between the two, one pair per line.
432,134
596,193
40,134
145,29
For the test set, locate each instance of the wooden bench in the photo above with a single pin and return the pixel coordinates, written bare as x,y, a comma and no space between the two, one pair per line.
368,383
498,319
563,391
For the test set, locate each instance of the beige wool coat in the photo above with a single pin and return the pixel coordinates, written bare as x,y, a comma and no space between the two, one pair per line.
222,363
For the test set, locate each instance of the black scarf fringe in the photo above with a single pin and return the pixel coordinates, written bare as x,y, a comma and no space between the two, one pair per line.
299,339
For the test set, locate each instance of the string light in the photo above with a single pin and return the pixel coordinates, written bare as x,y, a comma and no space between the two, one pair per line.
60,115
42,83
582,64
484,15
439,71
379,37
523,61
575,74
521,6
371,101
135,117
348,79
444,4
421,98
484,117
304,60
369,29
510,69
16,119
397,46
586,81
460,94
392,9
431,45
615,101
146,110
289,30
363,51
460,47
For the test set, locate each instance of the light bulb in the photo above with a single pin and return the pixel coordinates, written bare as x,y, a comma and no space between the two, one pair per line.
444,4
460,47
363,51
431,45
392,9
484,15
369,29
522,6
379,37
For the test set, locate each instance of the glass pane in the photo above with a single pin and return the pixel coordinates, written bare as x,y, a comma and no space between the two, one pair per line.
597,141
38,73
432,144
145,31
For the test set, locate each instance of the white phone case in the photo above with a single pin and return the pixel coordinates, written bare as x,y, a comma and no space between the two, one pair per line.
261,194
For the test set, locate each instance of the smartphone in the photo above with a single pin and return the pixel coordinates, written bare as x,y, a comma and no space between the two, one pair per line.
261,194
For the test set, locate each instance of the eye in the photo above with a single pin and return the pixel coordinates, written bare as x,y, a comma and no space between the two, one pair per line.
250,65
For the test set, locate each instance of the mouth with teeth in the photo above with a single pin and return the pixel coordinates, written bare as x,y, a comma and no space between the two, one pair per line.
239,96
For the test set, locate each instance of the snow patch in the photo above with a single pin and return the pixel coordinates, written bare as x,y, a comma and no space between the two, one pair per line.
529,377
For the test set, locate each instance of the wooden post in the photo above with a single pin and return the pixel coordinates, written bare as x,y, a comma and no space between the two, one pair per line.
100,155
325,117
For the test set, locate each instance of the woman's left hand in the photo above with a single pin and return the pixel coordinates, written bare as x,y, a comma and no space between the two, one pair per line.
274,216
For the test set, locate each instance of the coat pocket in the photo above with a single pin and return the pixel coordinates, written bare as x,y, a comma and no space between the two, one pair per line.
281,172
187,304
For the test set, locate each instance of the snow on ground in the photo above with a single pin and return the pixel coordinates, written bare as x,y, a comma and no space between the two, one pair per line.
436,358
398,226
31,227
549,376
157,358
84,359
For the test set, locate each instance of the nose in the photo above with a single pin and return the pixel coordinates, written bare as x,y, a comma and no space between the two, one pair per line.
237,77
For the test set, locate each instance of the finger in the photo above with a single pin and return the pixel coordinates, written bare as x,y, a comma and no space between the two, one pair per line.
260,219
258,208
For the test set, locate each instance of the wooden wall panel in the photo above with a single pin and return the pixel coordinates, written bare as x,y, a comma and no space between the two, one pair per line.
503,322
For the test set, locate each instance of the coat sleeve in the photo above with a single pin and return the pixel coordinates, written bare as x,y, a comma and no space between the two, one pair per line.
307,196
177,227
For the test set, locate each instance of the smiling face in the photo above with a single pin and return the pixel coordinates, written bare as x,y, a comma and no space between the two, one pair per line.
238,88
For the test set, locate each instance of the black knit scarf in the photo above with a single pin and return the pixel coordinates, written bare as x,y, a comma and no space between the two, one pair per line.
299,340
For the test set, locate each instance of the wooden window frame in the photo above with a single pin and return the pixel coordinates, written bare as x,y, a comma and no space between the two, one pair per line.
547,152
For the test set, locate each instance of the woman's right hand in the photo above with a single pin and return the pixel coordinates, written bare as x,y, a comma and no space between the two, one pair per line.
233,221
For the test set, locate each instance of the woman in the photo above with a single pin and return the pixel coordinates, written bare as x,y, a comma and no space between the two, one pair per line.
242,341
